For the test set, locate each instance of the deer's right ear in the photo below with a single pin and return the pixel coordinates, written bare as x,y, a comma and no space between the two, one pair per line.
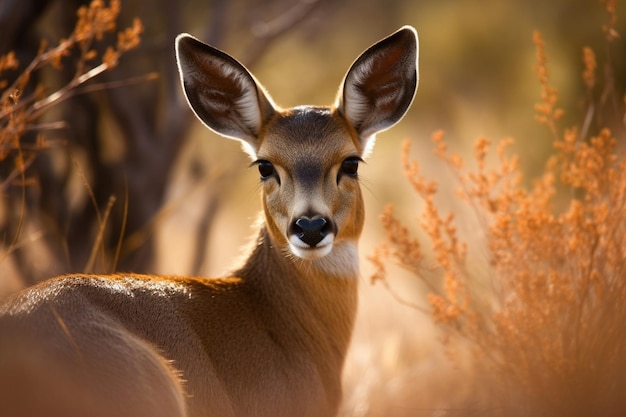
221,92
379,87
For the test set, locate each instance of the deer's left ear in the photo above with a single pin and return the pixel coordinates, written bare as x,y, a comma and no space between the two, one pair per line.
379,87
222,93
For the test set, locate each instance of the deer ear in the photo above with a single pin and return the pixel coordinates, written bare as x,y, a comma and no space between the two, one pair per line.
379,87
221,92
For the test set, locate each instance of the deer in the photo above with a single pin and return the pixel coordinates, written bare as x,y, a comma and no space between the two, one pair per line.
269,339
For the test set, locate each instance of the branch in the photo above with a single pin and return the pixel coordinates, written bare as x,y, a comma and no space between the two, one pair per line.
266,32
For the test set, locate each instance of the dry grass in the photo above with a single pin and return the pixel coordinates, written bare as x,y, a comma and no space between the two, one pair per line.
22,103
26,99
543,319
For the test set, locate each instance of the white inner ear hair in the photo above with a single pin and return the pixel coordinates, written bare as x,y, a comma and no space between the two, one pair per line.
246,104
356,106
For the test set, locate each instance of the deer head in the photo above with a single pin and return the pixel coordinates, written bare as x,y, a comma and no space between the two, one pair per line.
308,157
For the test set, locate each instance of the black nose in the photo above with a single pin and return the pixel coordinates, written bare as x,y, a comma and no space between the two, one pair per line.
311,230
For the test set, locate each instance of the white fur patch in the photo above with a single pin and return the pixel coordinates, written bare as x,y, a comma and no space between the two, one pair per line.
304,251
342,261
368,145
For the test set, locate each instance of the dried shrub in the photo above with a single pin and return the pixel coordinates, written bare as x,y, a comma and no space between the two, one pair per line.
24,100
545,315
22,103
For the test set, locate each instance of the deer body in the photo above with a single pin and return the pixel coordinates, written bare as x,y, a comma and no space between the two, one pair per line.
270,339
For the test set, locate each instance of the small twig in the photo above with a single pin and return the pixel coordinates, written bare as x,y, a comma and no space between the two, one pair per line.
584,130
285,21
90,192
63,93
47,126
97,245
72,89
120,240
17,172
265,32
19,244
401,300
109,85
35,109
102,220
20,223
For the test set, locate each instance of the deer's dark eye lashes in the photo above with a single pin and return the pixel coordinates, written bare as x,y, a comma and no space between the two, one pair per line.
350,166
266,169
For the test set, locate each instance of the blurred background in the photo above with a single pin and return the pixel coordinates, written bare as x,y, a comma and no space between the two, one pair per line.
185,199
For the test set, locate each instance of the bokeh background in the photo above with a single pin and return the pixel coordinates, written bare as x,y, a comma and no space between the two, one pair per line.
186,199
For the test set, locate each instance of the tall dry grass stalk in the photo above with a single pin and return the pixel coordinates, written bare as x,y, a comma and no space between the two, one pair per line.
545,317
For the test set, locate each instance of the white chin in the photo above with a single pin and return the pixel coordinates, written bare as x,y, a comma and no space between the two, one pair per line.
304,251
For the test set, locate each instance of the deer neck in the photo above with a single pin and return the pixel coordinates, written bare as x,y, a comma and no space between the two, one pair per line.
315,300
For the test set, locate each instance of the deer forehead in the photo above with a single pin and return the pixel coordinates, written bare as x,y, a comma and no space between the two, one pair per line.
308,139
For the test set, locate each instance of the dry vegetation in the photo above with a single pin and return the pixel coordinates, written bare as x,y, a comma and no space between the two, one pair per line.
544,317
26,99
22,103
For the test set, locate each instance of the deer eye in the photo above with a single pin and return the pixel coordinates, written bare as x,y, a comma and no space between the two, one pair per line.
266,169
350,166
